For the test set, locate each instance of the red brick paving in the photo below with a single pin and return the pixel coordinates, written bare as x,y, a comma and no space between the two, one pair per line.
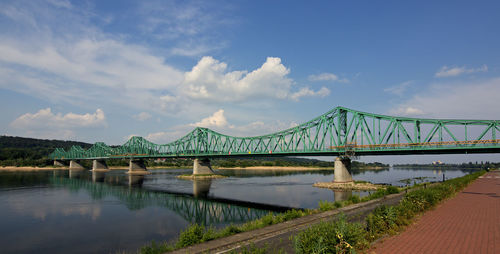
467,223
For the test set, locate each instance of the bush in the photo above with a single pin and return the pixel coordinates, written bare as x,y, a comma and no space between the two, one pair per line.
391,189
337,236
192,235
326,205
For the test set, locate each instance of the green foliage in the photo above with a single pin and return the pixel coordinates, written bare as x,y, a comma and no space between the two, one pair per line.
326,205
192,235
337,236
354,199
381,220
391,189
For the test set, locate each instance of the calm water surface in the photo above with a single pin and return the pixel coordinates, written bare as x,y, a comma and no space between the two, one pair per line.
85,212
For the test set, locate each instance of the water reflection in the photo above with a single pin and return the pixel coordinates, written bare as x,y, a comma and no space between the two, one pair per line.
65,211
98,176
77,173
201,188
190,208
135,180
342,195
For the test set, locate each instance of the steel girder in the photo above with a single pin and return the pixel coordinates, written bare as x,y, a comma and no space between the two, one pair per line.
338,132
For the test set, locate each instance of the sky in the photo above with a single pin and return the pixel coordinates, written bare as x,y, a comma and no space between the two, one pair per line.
107,70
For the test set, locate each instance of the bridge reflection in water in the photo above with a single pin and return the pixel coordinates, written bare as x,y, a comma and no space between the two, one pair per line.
195,208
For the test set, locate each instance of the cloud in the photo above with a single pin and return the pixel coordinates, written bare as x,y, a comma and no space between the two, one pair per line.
70,60
143,116
217,119
399,89
46,124
446,71
327,77
476,99
44,118
210,81
305,91
407,111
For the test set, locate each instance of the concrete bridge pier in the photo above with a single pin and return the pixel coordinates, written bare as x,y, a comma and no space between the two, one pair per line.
99,165
202,167
137,167
342,170
75,165
58,163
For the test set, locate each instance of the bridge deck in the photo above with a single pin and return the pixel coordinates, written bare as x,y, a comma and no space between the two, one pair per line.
467,223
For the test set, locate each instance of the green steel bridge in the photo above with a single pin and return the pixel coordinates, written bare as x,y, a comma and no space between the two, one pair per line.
338,132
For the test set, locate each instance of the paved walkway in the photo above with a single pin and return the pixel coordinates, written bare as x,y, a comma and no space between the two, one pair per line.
467,223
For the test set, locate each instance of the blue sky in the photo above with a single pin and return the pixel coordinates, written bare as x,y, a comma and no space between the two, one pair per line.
105,70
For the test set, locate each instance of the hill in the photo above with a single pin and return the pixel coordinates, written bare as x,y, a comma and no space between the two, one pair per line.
19,151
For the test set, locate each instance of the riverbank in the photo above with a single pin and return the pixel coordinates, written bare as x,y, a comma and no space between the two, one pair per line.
387,215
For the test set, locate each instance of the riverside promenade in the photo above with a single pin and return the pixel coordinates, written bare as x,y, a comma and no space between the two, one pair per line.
466,223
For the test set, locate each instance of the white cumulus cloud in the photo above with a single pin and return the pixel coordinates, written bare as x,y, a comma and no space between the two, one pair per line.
217,119
446,71
306,91
210,80
326,76
46,124
45,118
407,111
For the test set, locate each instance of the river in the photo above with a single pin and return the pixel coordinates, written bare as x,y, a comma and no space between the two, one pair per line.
83,212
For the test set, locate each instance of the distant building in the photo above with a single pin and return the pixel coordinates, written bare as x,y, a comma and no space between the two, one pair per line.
437,162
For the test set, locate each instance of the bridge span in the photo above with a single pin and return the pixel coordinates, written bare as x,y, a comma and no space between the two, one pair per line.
340,132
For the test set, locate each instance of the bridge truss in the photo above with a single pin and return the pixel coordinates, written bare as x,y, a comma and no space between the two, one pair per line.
340,131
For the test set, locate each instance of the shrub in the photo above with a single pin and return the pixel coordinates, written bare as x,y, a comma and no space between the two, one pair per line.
337,236
192,235
354,199
391,189
326,205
